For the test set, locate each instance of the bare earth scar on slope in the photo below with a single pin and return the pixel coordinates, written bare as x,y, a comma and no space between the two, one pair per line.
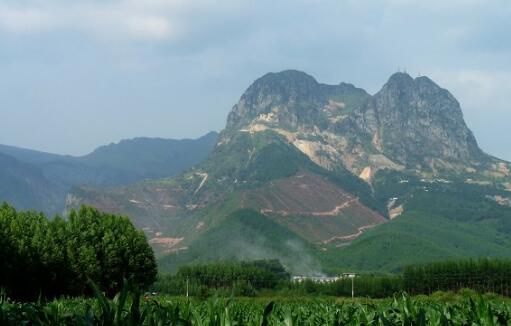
313,207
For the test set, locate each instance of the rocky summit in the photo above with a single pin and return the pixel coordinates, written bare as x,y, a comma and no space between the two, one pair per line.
330,176
409,124
416,123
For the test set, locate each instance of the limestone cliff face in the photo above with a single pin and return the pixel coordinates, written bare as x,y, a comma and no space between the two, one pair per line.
418,123
293,100
277,99
409,124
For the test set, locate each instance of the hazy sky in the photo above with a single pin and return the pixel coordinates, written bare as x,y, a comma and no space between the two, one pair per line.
82,73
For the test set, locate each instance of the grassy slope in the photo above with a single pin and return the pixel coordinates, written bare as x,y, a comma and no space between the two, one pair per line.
246,235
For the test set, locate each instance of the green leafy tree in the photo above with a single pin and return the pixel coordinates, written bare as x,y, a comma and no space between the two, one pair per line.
58,257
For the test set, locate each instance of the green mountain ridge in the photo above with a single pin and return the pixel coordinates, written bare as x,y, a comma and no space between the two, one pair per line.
25,186
124,163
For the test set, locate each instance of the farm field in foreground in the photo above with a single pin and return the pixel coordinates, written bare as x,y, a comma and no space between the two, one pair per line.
128,309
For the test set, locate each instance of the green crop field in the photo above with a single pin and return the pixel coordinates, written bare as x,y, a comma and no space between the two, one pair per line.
133,309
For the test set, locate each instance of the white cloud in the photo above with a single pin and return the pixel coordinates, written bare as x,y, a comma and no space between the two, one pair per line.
153,26
124,19
440,5
479,90
484,96
24,20
118,23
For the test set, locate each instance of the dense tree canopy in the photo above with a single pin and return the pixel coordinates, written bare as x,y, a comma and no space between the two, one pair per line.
239,278
484,275
48,258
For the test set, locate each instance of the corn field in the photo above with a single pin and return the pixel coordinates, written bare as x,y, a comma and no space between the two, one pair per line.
132,309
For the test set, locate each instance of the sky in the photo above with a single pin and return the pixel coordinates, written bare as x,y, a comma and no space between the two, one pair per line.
78,74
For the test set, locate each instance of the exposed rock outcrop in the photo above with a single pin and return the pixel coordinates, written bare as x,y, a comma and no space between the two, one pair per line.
410,123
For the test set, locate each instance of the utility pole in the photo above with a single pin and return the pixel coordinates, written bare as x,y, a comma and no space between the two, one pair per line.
352,276
187,286
352,287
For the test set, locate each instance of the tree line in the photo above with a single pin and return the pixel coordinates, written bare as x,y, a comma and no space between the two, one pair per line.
238,278
50,258
249,278
483,275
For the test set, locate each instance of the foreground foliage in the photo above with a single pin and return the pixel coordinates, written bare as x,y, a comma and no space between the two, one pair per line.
49,258
127,309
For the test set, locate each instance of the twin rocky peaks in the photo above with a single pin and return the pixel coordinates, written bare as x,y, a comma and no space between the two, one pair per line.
409,124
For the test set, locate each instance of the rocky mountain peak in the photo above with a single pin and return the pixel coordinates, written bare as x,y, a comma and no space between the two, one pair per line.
421,124
402,90
400,80
274,93
410,123
285,81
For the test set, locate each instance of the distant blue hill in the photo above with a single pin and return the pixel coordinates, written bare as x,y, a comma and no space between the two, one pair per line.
31,179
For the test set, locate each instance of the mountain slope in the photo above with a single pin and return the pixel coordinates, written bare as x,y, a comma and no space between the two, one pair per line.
247,235
244,173
440,220
359,178
113,165
151,158
24,186
31,156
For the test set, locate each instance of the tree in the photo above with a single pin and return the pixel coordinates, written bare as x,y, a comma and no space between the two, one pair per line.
59,257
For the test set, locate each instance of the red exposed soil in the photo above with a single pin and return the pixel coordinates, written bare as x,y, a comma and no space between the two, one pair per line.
166,245
313,207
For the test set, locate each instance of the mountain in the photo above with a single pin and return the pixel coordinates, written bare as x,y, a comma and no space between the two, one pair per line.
24,185
420,125
124,163
149,158
32,156
409,124
331,177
